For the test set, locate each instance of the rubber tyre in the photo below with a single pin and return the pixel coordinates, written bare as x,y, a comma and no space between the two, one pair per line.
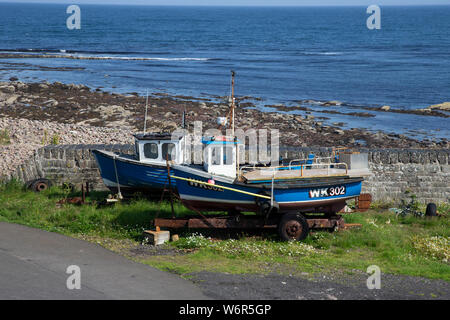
431,210
293,227
263,205
40,185
259,201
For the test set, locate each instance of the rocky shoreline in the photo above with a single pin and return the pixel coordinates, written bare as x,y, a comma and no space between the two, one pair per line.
437,110
33,114
26,136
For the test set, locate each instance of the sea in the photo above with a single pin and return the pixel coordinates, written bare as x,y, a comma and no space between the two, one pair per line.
281,55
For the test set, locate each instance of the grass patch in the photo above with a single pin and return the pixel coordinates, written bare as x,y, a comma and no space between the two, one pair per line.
246,248
436,247
4,137
409,245
124,220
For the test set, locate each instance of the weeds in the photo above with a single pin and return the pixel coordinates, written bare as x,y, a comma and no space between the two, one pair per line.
409,208
246,248
437,247
45,137
55,139
122,220
4,137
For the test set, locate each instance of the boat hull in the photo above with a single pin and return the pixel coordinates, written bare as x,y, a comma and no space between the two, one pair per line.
328,195
133,176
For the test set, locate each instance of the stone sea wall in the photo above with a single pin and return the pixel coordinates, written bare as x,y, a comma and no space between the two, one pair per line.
73,164
426,173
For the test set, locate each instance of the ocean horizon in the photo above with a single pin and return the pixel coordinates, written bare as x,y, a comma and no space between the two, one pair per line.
282,55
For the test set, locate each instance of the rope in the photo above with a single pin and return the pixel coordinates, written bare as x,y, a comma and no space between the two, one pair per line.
117,178
223,187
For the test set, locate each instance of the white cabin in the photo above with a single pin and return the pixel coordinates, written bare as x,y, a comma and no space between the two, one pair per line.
155,148
220,155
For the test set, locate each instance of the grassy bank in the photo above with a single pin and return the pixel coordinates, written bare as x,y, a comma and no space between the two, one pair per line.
40,210
411,246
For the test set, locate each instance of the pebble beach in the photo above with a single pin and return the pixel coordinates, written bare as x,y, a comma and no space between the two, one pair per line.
36,114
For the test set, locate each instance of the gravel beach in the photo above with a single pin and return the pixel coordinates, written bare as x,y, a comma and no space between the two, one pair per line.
36,114
26,136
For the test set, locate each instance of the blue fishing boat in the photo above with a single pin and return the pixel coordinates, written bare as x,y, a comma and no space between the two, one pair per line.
216,184
146,170
284,191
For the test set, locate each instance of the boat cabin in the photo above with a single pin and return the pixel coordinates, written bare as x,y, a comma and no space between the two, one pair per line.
155,148
219,155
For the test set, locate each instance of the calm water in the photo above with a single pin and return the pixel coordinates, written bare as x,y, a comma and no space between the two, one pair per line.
279,54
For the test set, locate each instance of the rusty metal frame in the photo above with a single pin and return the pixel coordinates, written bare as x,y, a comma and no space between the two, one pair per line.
243,222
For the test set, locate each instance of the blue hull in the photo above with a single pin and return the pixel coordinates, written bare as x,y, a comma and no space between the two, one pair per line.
325,195
133,176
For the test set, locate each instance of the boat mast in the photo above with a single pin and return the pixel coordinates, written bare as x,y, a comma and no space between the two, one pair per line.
232,103
145,116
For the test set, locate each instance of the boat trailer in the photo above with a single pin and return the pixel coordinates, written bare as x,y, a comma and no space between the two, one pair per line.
334,222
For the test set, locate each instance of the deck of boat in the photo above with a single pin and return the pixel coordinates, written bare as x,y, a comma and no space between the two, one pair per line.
264,175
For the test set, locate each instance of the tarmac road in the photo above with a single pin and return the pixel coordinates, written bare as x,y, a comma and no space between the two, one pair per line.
33,265
324,287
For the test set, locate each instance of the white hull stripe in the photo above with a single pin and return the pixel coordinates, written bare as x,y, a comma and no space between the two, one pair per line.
340,198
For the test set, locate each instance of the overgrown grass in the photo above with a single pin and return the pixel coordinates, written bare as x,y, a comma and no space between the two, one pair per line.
410,245
400,246
4,137
55,139
246,248
40,210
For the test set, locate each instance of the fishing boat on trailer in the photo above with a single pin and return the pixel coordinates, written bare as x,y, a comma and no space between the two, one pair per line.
286,192
146,170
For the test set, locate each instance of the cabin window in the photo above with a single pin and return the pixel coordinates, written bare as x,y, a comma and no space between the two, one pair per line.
136,150
151,150
228,156
216,154
168,149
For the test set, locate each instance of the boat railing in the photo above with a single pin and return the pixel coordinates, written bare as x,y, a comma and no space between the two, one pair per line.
250,166
276,170
314,160
302,167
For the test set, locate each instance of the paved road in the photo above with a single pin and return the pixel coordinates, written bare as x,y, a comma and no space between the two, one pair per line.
325,287
33,265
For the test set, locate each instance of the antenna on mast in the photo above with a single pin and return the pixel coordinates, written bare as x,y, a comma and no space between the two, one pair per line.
183,119
145,117
232,102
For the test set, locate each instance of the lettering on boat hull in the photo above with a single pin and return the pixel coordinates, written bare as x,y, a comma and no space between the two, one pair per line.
327,192
204,186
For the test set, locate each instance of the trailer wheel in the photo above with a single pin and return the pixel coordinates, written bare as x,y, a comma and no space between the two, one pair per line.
293,226
40,185
431,210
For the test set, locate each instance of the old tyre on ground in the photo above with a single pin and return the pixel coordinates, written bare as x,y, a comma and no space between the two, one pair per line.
39,185
293,226
431,210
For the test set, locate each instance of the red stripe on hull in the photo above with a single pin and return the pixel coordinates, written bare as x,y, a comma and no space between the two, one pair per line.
324,206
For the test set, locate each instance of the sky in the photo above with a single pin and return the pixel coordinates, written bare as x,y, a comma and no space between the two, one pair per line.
246,2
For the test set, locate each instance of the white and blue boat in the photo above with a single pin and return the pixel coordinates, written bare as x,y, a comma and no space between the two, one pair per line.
304,186
146,170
